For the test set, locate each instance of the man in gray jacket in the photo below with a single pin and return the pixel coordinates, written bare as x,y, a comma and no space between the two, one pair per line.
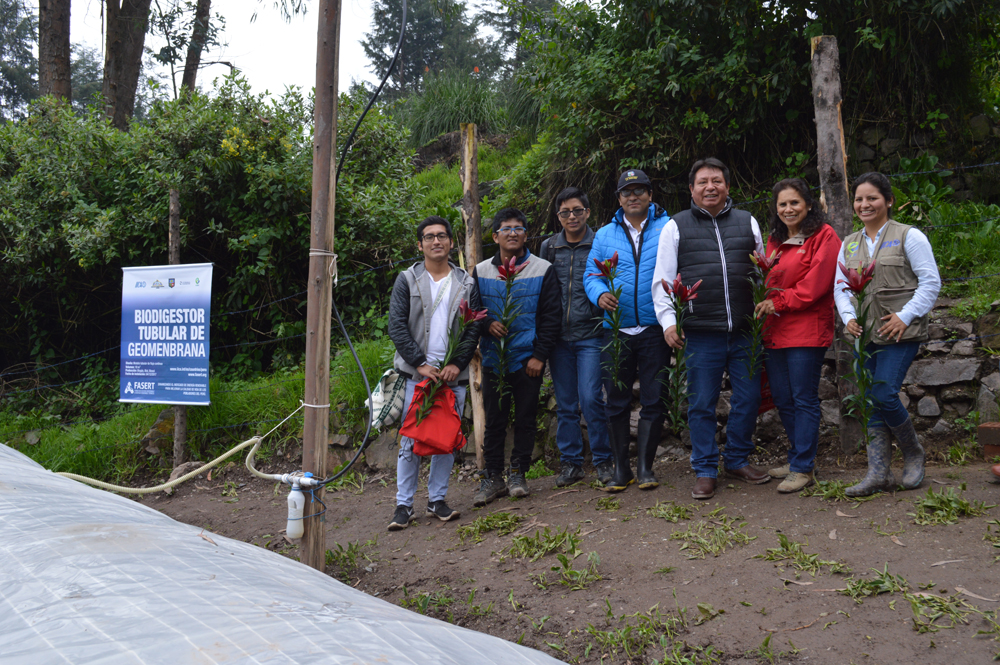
575,361
423,310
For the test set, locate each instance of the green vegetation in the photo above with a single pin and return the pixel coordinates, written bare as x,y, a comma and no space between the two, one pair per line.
635,636
501,522
883,582
345,560
609,503
945,507
572,578
791,551
671,511
539,470
542,543
833,490
714,535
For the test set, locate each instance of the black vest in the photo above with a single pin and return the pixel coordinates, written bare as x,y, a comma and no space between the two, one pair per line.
725,298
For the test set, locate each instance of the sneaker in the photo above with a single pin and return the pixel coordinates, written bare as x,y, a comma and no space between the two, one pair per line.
517,484
780,472
441,510
491,487
605,471
569,474
796,481
402,518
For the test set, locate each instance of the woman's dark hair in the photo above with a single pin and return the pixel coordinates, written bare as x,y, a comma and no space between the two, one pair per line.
431,221
572,193
814,219
878,181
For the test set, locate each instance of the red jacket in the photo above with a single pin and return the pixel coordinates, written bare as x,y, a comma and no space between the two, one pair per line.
805,273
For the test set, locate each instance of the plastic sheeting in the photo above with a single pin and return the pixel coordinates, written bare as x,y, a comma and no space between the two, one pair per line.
87,576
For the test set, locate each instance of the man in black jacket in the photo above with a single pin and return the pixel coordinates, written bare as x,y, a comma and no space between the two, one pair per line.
575,362
423,310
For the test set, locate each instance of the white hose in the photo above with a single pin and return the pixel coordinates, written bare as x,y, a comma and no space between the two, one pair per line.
254,441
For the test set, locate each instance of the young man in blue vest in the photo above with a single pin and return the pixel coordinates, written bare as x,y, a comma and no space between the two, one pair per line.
529,341
576,359
713,242
633,234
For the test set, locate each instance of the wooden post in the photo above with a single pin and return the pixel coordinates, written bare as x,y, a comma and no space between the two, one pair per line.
316,424
471,215
174,258
835,198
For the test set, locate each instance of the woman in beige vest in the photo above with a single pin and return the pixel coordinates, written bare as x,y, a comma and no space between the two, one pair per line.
899,298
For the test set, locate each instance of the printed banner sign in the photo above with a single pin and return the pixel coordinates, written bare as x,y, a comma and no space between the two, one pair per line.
166,317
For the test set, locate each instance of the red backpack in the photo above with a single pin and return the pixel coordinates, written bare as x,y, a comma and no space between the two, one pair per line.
440,433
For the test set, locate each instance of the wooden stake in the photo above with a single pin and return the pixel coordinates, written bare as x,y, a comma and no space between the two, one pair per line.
322,265
835,198
174,258
471,215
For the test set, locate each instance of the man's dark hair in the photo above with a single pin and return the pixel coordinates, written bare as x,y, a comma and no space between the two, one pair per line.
814,219
572,193
878,181
508,213
431,221
711,163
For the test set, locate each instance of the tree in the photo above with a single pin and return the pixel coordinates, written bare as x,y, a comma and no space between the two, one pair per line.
185,26
87,72
200,38
18,66
53,48
511,21
127,22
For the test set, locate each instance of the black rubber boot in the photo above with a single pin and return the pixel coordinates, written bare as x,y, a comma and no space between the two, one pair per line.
619,435
647,442
879,477
913,455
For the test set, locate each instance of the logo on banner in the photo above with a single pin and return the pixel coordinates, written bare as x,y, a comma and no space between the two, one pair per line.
157,284
197,281
128,388
171,282
140,285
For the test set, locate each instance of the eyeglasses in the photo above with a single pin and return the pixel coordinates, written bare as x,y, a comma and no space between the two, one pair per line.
637,192
575,212
431,237
507,230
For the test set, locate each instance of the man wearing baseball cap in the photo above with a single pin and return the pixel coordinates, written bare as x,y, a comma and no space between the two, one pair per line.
633,234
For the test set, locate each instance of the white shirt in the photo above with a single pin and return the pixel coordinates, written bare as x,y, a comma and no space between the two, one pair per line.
921,257
437,338
636,235
666,268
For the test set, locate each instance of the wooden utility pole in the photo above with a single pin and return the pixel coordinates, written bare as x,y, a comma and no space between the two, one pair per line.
832,163
174,258
322,266
472,217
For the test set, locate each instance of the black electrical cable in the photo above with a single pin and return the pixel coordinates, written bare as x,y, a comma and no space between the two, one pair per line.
340,322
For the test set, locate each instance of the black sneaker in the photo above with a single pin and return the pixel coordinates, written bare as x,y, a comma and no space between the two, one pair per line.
491,487
440,510
569,474
402,518
517,484
605,471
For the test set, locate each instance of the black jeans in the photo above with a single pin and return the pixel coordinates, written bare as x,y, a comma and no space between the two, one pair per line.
645,356
524,391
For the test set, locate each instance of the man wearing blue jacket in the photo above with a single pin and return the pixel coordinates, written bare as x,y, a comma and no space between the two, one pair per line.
633,234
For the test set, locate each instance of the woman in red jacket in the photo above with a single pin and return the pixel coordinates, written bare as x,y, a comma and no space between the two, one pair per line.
799,327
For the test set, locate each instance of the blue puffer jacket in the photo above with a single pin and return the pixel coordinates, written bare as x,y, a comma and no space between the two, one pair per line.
635,266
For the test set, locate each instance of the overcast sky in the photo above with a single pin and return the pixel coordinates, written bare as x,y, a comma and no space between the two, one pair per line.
269,52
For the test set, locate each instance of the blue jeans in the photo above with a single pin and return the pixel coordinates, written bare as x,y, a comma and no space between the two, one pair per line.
707,355
576,378
408,464
888,364
794,377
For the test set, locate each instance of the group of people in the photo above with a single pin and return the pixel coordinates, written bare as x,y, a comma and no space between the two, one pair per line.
599,337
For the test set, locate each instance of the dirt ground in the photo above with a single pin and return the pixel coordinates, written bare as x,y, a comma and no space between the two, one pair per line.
743,598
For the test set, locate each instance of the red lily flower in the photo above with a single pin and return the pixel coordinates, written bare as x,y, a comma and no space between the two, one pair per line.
470,315
765,263
856,281
509,270
606,267
682,293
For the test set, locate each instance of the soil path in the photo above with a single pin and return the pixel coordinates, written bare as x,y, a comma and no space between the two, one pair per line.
743,598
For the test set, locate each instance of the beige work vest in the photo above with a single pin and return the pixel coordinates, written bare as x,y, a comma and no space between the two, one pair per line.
893,283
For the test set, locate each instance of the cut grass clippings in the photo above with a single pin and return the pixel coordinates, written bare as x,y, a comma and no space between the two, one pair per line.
712,536
946,507
670,511
502,523
833,490
792,552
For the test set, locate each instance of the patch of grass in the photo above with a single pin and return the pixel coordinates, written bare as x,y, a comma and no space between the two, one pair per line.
539,470
609,503
635,637
946,507
501,522
883,582
346,559
426,601
715,535
477,610
789,550
990,536
833,490
573,578
959,454
671,511
931,613
973,306
763,651
545,542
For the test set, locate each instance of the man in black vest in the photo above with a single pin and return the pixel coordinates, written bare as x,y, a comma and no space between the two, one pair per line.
713,242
